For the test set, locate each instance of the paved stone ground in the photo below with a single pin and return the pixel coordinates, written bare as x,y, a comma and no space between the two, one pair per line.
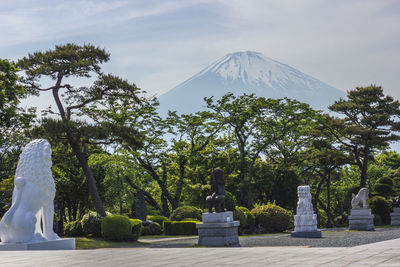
385,253
377,255
329,238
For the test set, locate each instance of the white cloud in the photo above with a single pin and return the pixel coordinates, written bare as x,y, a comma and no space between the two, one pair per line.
345,43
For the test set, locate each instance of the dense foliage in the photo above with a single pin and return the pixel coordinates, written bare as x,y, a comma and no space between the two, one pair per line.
112,150
186,212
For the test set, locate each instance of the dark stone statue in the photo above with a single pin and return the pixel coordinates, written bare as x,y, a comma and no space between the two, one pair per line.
396,202
217,198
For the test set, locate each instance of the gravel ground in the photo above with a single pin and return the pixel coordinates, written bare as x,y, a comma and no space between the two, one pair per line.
330,238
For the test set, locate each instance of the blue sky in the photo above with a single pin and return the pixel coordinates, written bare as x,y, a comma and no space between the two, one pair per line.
159,44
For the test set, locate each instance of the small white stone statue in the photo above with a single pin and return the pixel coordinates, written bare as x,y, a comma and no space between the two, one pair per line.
360,200
33,196
305,221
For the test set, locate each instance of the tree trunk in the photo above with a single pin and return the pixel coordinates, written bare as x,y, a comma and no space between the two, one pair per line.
363,180
250,187
328,200
242,173
88,174
164,204
140,207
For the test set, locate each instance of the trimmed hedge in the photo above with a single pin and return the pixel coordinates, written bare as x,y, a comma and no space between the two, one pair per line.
180,228
136,229
73,229
116,228
152,229
157,218
186,212
272,218
91,224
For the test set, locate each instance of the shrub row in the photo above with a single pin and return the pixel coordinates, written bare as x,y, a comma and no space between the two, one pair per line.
180,227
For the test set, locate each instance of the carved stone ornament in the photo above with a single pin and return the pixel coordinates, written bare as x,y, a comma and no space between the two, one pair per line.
360,200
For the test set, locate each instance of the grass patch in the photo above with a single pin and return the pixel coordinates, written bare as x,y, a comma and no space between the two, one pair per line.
94,243
165,236
387,226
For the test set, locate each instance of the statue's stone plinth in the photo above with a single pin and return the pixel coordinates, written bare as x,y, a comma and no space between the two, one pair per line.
361,219
395,217
218,229
59,244
306,226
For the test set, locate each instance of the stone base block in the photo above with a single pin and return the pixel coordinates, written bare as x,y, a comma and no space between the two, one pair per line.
313,234
395,217
217,217
361,219
218,234
60,244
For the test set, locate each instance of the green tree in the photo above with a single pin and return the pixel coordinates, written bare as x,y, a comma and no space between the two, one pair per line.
14,121
97,114
276,129
370,122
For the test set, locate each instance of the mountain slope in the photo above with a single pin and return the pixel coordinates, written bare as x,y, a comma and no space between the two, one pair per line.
248,72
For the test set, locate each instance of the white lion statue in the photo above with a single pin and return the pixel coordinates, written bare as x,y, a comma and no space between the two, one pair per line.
33,196
361,199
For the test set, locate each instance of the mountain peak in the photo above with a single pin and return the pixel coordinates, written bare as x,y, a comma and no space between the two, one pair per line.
249,72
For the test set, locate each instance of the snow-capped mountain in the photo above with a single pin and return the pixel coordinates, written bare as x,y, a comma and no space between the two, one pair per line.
248,72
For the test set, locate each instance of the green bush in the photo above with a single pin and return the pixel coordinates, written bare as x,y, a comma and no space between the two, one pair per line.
380,206
116,228
73,229
272,218
157,218
152,229
136,229
250,219
180,228
384,187
91,224
238,215
230,201
186,212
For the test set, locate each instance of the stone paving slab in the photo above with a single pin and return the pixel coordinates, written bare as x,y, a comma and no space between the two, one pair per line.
385,253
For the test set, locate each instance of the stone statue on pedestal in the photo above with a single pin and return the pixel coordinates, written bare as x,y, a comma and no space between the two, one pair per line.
218,228
217,197
30,218
360,215
305,221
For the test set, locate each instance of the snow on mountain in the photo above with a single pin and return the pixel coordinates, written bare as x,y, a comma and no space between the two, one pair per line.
248,72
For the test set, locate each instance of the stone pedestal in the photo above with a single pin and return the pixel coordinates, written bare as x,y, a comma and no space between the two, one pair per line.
306,226
59,244
395,217
218,229
361,219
